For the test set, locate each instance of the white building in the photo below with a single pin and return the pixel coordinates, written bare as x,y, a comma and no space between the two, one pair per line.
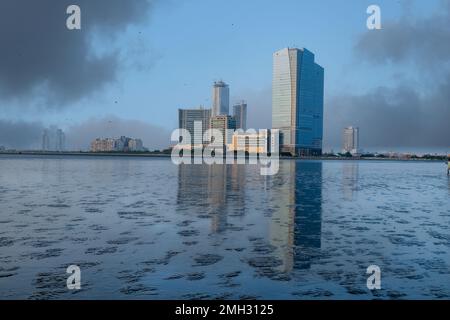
351,140
220,99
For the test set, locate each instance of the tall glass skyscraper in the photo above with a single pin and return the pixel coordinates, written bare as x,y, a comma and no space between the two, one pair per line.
297,101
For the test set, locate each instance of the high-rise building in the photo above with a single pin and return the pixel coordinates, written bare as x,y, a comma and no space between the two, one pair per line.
187,119
351,140
297,101
226,125
53,139
240,114
220,99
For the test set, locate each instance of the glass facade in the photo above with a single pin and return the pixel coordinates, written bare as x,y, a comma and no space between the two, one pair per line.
187,119
297,101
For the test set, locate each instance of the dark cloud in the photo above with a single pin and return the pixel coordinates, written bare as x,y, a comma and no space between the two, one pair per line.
423,41
79,137
391,117
403,115
40,56
20,135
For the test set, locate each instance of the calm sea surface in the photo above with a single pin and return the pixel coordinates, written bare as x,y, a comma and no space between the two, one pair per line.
144,228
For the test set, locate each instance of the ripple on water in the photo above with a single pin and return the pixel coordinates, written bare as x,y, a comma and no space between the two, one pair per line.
206,259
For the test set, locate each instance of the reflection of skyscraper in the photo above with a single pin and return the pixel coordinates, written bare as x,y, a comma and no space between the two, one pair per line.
297,223
216,189
297,101
220,99
350,176
308,213
240,114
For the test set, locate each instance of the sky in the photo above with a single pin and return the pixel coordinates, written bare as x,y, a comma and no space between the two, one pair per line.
134,63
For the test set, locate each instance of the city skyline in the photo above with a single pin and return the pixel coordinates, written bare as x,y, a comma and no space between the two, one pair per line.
365,81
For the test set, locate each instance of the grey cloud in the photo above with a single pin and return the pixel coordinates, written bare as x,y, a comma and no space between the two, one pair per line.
41,56
391,117
403,115
79,137
423,41
20,135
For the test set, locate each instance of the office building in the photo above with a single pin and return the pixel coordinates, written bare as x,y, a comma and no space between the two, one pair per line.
351,140
226,125
297,101
240,114
187,119
220,99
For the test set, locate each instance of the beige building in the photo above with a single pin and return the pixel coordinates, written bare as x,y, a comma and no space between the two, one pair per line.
256,142
123,144
226,125
103,145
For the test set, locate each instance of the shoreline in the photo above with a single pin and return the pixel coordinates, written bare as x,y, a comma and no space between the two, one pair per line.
163,155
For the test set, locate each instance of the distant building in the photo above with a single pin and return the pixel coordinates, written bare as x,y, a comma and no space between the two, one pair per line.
220,99
351,140
187,118
103,145
226,125
122,144
135,145
53,139
297,101
240,114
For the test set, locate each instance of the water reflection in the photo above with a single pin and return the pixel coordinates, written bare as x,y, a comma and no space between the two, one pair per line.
297,222
292,236
218,189
350,177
